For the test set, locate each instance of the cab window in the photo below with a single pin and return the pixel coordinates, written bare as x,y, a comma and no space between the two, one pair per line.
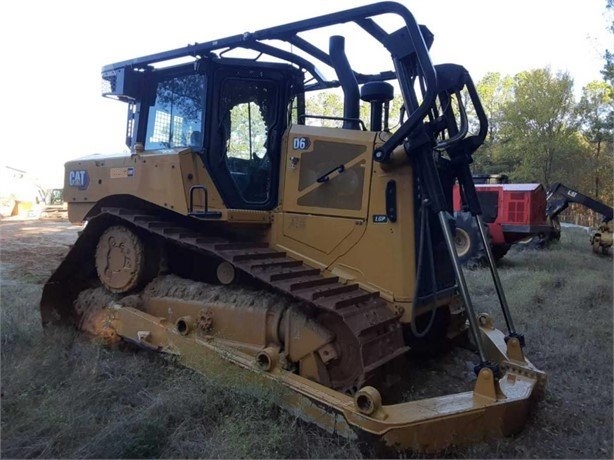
247,114
175,117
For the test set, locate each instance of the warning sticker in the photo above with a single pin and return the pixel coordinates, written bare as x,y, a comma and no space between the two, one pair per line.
119,173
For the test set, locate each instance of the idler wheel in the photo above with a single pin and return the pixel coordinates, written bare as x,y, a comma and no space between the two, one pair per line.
121,259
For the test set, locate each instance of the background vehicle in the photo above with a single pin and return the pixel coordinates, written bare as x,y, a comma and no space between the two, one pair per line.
55,207
20,192
512,213
559,198
339,237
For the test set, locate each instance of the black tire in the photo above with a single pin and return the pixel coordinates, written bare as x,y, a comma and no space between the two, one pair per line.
499,251
469,246
556,225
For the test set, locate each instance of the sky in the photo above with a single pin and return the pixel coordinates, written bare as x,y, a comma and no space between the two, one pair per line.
53,51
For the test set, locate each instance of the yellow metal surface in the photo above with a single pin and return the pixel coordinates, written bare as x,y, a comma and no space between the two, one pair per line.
493,408
338,231
162,177
358,245
344,194
384,257
320,234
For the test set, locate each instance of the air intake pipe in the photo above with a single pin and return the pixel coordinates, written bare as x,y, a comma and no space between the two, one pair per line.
345,74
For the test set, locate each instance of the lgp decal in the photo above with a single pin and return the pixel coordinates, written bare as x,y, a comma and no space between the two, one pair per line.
79,179
380,218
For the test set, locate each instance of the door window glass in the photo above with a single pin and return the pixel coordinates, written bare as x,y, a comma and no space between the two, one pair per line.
247,114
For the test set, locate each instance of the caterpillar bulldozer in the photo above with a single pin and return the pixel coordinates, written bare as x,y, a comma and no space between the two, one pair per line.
241,232
559,198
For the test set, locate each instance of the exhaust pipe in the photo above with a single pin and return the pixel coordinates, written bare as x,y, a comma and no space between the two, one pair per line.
345,74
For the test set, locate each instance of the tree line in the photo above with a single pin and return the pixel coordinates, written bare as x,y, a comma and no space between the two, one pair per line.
538,132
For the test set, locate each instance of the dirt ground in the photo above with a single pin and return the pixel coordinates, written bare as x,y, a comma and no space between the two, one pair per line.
35,245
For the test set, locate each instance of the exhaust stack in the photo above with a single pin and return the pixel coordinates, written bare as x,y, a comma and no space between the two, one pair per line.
345,74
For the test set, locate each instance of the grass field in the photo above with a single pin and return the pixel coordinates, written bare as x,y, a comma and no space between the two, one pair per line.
66,396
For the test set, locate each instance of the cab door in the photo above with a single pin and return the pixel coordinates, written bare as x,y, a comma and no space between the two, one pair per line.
246,128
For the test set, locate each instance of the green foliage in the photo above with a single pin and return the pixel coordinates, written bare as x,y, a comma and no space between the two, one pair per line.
327,104
539,133
596,114
330,104
538,128
495,92
249,133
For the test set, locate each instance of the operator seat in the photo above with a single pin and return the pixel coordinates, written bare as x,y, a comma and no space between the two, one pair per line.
196,139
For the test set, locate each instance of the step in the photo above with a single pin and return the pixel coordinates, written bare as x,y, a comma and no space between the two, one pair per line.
263,265
315,281
336,290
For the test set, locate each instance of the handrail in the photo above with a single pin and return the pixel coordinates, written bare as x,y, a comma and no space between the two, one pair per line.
206,213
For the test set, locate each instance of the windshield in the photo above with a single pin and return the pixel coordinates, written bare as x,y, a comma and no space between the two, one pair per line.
175,118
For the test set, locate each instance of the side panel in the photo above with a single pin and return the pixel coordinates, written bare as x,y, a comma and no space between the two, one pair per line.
341,225
538,207
320,233
384,258
195,174
162,178
517,205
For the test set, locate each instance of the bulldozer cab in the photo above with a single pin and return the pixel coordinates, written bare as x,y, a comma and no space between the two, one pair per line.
239,140
232,99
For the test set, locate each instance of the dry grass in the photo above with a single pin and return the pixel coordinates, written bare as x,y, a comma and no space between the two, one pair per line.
561,299
65,396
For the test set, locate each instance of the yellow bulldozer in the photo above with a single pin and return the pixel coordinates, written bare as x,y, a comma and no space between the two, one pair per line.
341,238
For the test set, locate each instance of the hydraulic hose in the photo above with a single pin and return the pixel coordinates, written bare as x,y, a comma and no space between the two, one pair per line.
423,231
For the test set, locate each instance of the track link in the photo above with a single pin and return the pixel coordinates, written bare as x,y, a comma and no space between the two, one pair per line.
376,333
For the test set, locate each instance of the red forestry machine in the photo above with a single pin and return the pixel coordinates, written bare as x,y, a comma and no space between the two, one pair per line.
513,213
